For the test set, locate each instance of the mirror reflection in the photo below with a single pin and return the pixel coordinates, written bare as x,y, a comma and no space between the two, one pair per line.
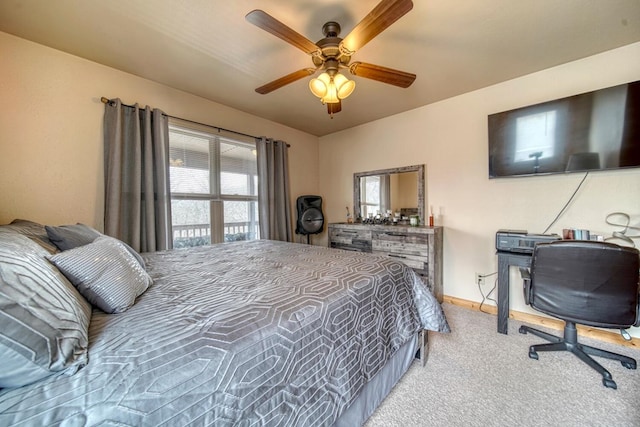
397,193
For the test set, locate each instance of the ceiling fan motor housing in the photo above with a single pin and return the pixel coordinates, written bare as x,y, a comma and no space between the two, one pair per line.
332,56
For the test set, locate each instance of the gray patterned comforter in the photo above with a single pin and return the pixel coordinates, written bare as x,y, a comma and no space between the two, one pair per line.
251,333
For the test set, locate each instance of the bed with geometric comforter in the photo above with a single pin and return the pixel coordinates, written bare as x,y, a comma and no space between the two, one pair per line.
257,333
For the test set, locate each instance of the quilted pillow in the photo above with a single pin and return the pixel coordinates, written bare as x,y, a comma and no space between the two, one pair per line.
44,321
67,237
105,273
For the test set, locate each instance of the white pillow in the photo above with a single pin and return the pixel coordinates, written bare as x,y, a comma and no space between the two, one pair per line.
105,273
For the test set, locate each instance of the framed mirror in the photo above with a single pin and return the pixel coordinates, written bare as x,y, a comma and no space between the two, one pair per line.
398,190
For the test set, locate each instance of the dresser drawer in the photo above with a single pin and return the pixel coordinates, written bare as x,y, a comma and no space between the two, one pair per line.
403,237
350,239
410,248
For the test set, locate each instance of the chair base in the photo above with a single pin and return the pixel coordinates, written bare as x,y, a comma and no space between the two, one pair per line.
570,343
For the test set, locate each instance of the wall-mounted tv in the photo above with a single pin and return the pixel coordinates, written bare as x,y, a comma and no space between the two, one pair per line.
597,130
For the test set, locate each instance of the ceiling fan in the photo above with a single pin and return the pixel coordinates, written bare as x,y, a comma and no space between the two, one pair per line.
333,53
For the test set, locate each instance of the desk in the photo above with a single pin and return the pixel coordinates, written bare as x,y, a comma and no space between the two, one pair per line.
506,260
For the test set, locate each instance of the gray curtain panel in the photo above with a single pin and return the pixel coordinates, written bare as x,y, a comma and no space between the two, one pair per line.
385,193
137,192
273,190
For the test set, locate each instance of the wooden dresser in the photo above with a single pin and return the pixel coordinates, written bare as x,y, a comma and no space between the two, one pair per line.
418,247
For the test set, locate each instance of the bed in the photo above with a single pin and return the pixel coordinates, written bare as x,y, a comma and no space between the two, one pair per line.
260,333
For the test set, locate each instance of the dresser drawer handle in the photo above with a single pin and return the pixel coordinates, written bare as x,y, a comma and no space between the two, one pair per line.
397,256
395,234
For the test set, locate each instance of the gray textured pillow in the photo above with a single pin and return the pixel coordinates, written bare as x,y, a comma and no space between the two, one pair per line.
33,231
67,237
105,273
44,321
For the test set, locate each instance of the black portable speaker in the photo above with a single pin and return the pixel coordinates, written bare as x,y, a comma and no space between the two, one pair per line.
310,217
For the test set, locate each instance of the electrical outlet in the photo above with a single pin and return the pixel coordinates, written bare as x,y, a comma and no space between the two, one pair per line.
479,279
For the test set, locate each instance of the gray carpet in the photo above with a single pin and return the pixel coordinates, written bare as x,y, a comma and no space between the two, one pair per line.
477,377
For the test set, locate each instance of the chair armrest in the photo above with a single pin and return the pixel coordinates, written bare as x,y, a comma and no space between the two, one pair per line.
526,284
637,312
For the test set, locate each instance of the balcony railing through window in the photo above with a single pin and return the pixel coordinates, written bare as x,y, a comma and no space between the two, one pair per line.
200,234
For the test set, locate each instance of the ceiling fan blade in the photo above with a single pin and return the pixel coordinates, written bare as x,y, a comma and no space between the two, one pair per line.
263,20
334,107
382,16
283,81
382,74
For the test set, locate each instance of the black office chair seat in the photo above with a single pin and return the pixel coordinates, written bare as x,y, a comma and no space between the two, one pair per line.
583,282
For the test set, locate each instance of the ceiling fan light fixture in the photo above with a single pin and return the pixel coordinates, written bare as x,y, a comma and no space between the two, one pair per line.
320,86
331,97
331,90
343,85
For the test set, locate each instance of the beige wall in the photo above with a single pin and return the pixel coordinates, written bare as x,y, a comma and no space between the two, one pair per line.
450,138
51,160
404,190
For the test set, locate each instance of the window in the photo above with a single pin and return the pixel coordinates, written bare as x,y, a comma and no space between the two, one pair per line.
535,136
214,185
374,195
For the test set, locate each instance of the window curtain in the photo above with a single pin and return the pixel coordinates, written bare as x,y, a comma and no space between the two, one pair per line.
385,193
137,193
273,190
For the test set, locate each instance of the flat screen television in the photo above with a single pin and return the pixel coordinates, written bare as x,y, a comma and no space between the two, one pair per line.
597,130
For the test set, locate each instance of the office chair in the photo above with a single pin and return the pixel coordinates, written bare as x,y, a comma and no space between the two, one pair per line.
585,282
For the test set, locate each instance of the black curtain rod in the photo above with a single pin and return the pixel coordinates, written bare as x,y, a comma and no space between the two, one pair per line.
107,100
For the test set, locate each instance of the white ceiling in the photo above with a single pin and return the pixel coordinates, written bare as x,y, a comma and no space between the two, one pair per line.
205,47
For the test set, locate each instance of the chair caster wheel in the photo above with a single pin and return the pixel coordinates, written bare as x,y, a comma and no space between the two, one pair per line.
533,355
629,365
609,383
522,330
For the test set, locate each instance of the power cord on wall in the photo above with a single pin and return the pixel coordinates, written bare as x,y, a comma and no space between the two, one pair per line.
616,235
622,235
566,205
486,297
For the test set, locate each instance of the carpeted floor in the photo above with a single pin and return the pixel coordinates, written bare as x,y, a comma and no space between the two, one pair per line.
477,377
